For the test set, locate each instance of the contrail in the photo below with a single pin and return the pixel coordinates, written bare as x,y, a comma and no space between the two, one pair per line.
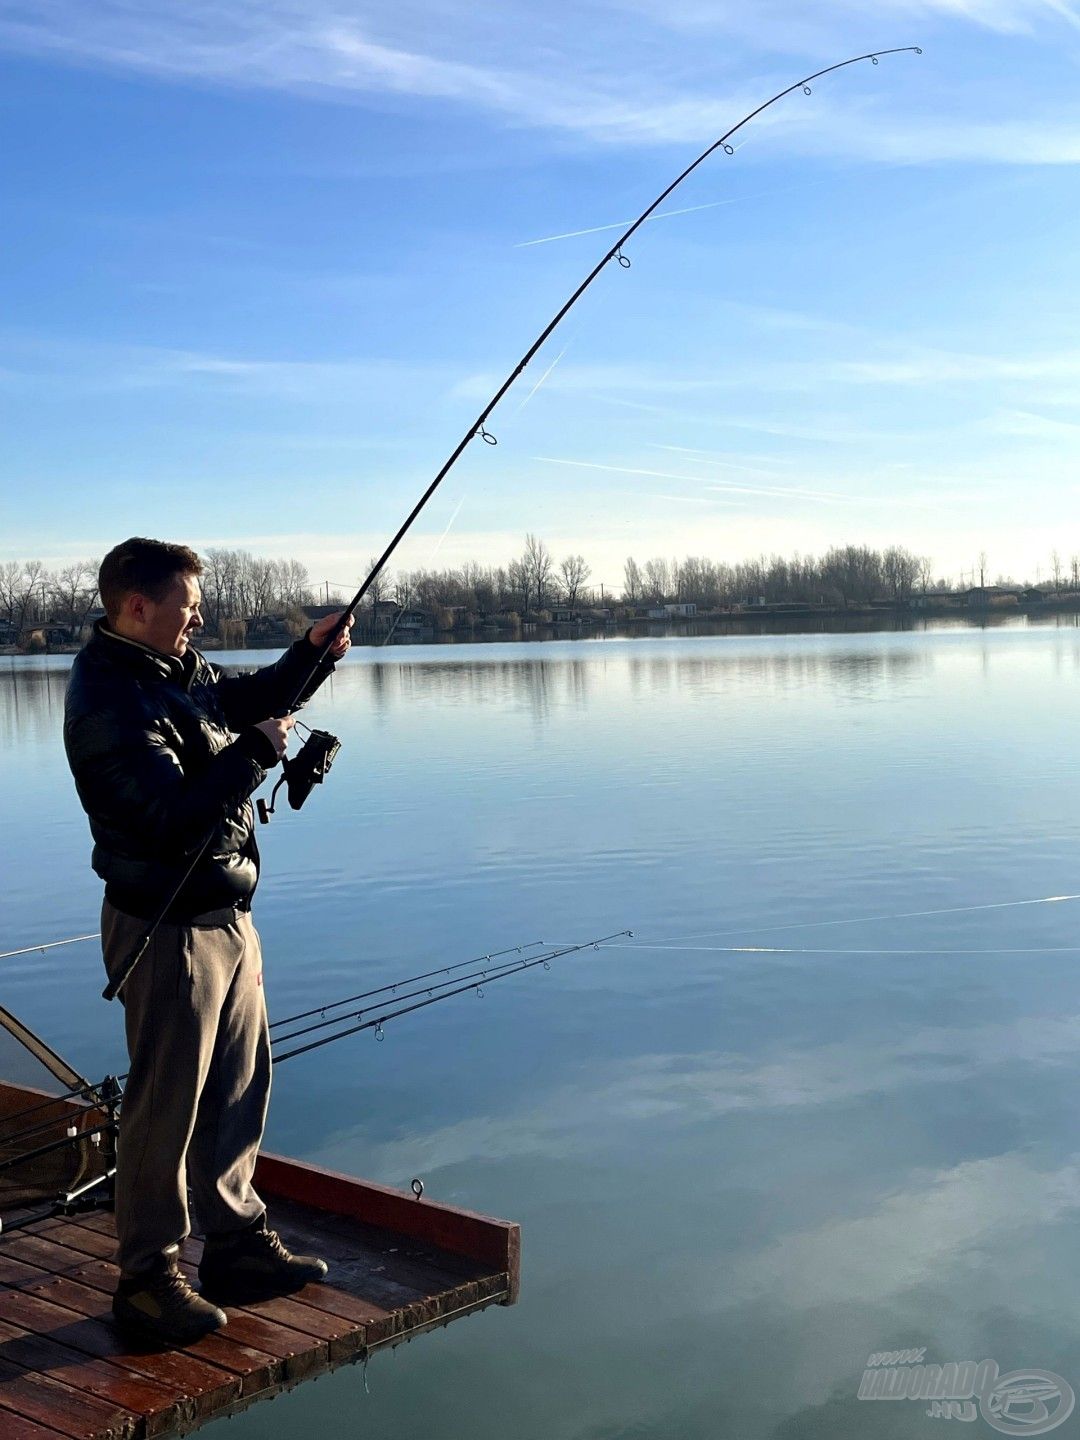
446,532
786,491
621,224
543,377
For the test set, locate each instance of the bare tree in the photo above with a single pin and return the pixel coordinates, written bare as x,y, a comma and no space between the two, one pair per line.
10,572
380,587
633,583
657,580
25,588
900,572
74,593
536,566
574,572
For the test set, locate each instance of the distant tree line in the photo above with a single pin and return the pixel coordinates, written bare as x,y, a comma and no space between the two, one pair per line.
239,586
534,581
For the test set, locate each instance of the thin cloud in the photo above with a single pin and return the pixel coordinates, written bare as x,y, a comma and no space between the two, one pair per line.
518,70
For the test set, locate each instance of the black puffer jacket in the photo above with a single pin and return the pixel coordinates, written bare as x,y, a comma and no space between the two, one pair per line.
162,748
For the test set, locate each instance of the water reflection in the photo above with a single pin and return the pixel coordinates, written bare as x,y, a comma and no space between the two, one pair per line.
738,1170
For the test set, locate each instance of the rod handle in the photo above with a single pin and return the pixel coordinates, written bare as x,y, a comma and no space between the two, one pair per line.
120,980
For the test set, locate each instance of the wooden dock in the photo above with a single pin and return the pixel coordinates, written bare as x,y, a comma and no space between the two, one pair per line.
398,1266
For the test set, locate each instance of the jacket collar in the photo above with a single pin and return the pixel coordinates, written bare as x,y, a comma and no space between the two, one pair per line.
145,661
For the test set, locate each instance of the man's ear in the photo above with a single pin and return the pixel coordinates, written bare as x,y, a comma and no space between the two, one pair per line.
134,607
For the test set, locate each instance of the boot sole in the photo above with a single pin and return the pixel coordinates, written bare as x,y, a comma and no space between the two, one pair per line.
140,1327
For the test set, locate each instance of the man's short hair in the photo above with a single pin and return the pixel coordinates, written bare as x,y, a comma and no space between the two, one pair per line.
143,567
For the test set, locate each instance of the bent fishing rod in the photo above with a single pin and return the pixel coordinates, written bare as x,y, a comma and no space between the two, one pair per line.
312,762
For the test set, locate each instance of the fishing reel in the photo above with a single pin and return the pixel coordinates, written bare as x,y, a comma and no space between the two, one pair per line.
307,768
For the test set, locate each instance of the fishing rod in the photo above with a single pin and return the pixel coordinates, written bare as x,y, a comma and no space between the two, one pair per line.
397,984
107,1129
379,1021
510,967
478,428
100,1093
312,762
49,945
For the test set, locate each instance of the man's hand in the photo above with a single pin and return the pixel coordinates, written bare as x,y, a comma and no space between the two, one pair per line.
322,628
277,732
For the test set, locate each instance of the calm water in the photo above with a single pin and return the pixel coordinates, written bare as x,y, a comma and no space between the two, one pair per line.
737,1172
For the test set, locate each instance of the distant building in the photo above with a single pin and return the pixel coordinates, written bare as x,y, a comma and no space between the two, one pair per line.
938,600
682,609
268,630
992,597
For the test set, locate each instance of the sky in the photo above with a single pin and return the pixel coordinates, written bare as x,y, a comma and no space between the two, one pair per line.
264,262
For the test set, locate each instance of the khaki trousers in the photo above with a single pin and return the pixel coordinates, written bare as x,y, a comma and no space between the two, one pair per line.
196,1096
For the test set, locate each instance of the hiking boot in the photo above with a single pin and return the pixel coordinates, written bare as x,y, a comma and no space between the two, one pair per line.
159,1304
253,1264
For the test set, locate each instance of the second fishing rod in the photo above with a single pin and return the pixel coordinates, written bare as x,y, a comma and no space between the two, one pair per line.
312,763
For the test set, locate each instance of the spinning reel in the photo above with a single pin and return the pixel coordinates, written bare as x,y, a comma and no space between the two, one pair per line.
308,767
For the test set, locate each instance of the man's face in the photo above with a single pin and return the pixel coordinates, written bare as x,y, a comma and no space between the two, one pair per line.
168,624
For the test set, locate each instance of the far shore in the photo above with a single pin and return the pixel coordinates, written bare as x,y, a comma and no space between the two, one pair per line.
779,620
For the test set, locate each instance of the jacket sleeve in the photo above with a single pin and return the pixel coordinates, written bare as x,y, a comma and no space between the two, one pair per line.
247,699
130,779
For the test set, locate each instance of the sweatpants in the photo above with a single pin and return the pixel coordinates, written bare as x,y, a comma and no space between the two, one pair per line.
196,1096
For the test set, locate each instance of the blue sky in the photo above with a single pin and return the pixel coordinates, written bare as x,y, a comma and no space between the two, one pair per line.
263,263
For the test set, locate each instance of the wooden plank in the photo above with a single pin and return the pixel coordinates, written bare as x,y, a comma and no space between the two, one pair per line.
398,1266
481,1237
80,1237
156,1403
203,1388
71,1412
380,1280
388,1281
321,1296
339,1339
299,1353
12,1271
257,1369
17,1427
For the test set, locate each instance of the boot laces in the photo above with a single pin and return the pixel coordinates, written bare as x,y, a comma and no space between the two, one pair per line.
171,1284
270,1240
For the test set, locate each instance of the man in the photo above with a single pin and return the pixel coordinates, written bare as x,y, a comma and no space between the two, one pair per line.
166,751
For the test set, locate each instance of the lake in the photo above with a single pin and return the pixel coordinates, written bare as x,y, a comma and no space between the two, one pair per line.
824,1103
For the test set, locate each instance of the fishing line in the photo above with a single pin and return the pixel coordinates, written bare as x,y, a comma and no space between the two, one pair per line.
865,919
823,950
